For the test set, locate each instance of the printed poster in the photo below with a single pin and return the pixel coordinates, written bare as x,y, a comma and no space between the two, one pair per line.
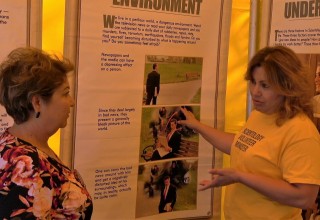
295,24
13,29
139,63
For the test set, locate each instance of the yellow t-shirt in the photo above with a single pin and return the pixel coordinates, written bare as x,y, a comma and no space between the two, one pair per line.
290,152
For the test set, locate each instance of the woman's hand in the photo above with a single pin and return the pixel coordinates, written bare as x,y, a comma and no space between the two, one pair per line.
190,120
298,195
220,177
219,139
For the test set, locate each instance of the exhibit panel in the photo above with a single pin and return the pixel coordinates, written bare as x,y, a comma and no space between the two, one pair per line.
138,64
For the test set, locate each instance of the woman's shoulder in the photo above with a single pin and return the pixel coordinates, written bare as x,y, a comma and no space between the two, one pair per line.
301,120
301,126
6,138
11,146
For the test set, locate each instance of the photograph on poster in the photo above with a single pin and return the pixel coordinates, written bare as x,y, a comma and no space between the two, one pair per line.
163,138
170,80
154,198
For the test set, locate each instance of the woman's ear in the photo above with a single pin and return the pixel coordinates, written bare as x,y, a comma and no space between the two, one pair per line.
36,103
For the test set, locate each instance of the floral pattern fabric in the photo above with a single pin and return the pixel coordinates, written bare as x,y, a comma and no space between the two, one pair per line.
34,185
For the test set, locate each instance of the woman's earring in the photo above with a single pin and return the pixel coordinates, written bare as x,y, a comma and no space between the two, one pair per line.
37,114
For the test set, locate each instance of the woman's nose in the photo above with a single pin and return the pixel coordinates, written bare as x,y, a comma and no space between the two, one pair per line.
72,102
255,90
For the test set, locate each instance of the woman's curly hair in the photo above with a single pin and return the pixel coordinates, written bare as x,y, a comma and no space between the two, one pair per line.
27,72
288,76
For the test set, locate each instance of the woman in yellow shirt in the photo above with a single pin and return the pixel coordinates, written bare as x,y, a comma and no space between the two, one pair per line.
274,170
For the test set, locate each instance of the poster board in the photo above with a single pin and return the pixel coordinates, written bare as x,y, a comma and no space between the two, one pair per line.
117,132
14,33
295,24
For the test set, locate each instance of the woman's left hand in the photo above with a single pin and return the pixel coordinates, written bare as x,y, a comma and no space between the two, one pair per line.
220,177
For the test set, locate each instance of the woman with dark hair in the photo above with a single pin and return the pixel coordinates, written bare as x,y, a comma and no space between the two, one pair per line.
274,159
34,183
